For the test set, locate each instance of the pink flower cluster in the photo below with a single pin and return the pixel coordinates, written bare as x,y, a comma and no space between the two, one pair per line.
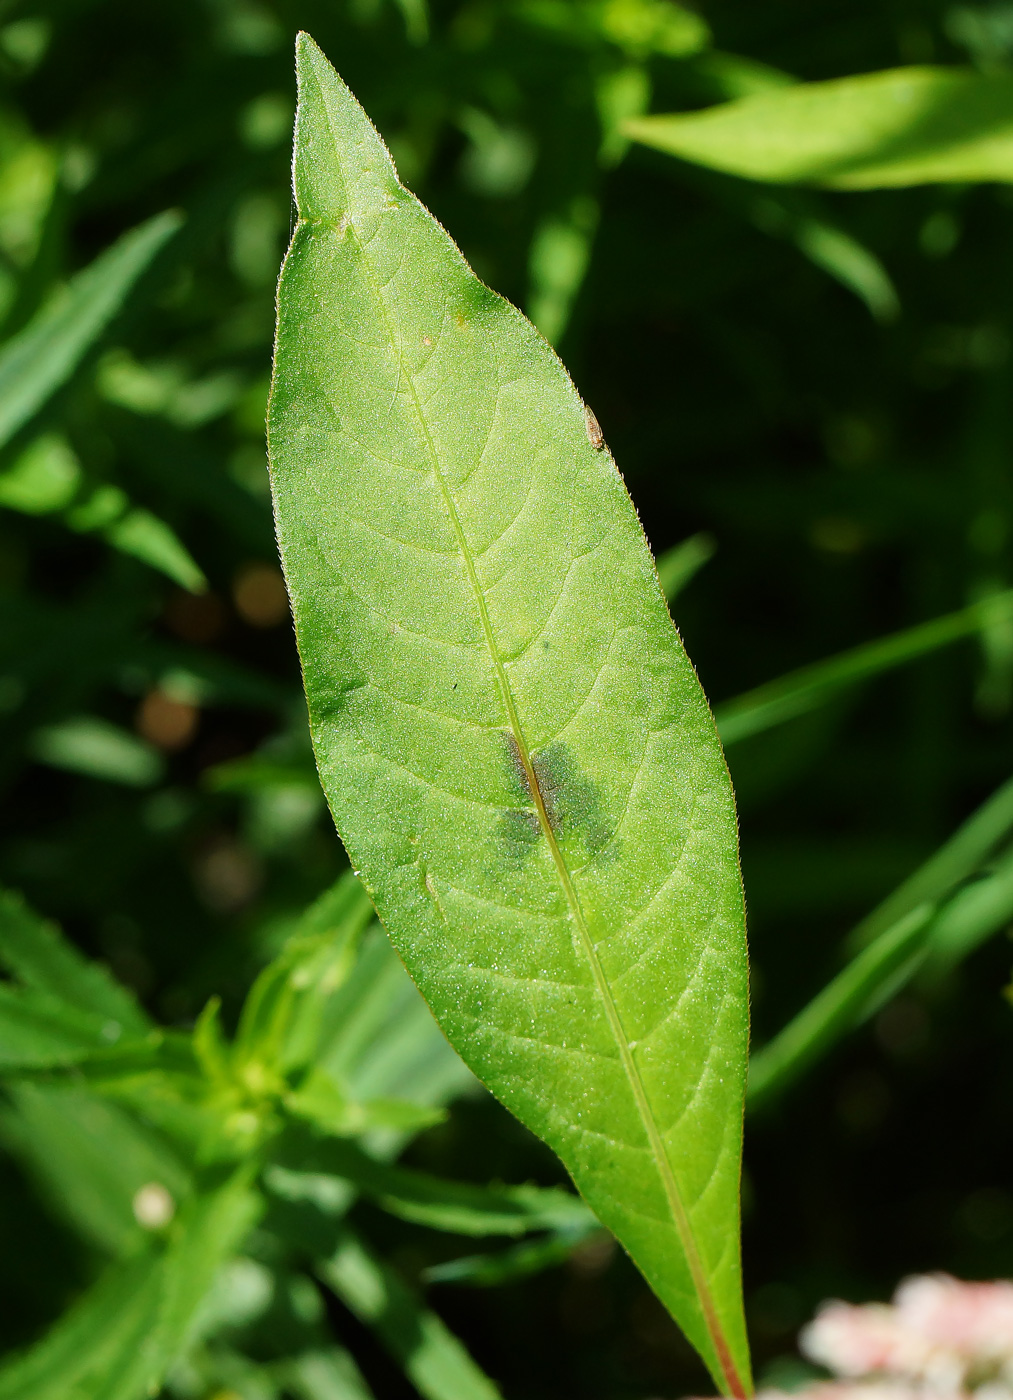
938,1332
939,1339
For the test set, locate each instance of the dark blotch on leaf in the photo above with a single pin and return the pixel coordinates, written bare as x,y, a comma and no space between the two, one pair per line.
519,830
572,802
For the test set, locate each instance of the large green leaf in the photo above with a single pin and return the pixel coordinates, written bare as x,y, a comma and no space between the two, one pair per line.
513,742
905,126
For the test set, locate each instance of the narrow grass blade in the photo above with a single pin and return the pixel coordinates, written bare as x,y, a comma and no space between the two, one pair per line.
93,747
282,1018
975,913
327,1374
954,862
837,1008
512,741
106,1325
42,357
678,565
89,1158
904,126
849,262
925,938
777,701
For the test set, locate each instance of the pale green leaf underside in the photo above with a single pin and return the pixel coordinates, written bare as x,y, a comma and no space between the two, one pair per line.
514,745
904,126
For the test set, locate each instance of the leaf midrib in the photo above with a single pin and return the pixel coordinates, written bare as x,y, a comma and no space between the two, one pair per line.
650,1125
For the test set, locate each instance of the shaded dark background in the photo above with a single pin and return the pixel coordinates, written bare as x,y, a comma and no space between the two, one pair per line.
854,475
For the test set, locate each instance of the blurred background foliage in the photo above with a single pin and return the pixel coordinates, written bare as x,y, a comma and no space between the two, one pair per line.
809,394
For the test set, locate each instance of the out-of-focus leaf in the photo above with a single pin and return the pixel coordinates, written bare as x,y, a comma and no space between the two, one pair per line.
320,1101
91,1159
734,75
37,954
119,1340
637,27
954,862
47,477
37,1030
459,1207
683,561
44,478
97,749
540,752
975,912
905,126
558,260
433,1359
282,1017
90,1343
507,1265
926,936
379,1040
139,533
850,263
327,1374
43,356
802,690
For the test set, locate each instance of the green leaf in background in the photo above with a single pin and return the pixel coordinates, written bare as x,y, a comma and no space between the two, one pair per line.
954,863
36,953
47,477
43,356
433,1359
120,1338
678,565
36,1030
91,1158
460,1207
326,1374
905,126
92,746
514,745
959,898
783,699
838,1007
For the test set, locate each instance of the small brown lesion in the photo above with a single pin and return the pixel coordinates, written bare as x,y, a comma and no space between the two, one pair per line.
427,341
595,436
518,767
